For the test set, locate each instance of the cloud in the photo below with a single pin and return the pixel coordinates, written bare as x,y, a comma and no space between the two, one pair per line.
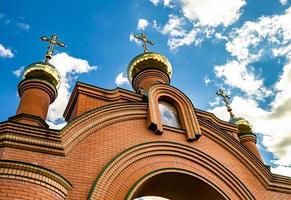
132,38
239,75
265,38
68,67
121,79
206,80
18,72
5,52
276,131
283,2
198,20
23,26
142,24
173,27
155,2
212,12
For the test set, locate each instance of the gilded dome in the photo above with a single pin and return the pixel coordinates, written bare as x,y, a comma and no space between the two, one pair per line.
148,60
243,125
44,71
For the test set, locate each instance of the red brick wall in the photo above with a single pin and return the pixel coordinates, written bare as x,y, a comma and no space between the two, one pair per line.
20,190
34,101
86,103
86,160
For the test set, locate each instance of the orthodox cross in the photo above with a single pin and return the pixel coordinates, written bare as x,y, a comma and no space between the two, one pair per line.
51,48
226,97
144,40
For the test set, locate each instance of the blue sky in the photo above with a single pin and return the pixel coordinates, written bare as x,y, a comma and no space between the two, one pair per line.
243,46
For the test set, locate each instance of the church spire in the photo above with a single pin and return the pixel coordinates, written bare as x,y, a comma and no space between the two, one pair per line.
226,97
53,41
38,88
144,41
246,136
148,68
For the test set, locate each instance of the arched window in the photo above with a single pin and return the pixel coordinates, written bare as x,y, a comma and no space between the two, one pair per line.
169,114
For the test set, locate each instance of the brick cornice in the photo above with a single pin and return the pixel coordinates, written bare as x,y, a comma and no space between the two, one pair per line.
35,174
100,93
60,143
271,181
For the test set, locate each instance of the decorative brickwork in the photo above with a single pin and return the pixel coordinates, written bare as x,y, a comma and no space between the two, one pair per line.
136,162
147,78
27,172
183,105
108,149
36,96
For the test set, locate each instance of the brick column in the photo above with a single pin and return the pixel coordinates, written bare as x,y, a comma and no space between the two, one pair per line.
249,140
147,78
36,96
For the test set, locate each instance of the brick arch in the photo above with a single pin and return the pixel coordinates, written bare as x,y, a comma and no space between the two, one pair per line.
136,162
183,105
130,195
96,119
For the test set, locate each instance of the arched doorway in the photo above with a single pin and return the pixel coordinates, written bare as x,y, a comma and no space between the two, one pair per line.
176,186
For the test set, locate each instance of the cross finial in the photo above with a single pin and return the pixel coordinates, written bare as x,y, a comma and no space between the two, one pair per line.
226,97
51,48
144,40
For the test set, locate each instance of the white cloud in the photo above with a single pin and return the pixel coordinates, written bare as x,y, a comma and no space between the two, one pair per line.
178,35
18,72
286,171
188,39
213,12
167,3
121,79
276,131
132,38
68,67
155,2
173,27
268,36
236,74
5,52
283,2
273,32
206,80
23,26
198,20
142,24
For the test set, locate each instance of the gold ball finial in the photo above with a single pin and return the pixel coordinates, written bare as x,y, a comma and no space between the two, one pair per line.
45,70
149,60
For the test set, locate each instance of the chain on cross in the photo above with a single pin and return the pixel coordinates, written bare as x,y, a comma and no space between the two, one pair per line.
144,41
51,48
226,97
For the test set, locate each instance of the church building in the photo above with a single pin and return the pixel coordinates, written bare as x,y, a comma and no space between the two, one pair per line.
150,144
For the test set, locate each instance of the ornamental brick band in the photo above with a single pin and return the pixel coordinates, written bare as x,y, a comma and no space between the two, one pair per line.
27,172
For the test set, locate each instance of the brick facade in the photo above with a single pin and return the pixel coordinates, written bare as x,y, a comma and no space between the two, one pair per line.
107,151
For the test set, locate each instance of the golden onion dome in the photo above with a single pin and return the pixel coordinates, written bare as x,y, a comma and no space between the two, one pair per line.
148,60
44,71
243,125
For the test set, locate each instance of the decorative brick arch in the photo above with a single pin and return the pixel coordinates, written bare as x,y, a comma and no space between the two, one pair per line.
183,105
136,162
148,176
